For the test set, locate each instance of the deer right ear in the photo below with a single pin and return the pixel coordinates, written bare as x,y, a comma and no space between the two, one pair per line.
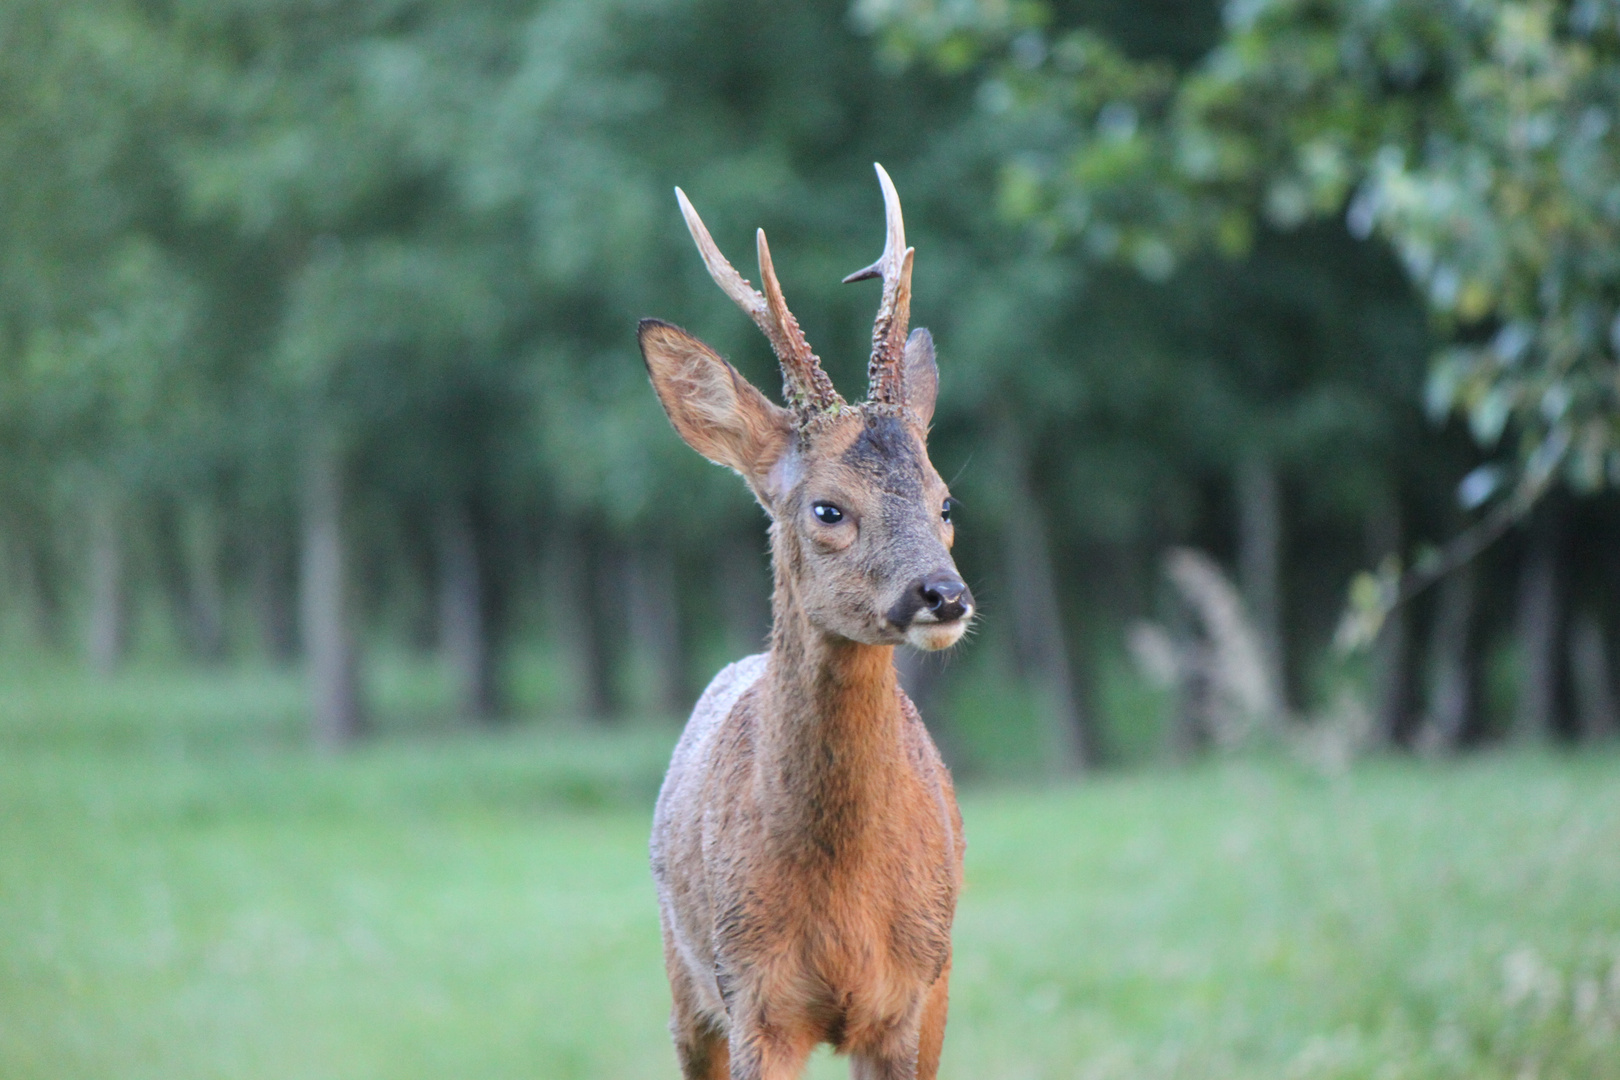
922,375
718,412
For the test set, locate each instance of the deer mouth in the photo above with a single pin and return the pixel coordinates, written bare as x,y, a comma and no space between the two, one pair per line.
934,613
933,636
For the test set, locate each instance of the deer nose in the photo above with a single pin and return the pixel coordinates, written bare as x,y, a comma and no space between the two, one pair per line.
945,595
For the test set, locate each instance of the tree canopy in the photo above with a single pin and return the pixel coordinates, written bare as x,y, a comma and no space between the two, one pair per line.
342,296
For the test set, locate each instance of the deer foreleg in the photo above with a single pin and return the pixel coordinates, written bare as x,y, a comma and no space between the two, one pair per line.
760,1052
893,1055
932,1035
700,1039
701,1049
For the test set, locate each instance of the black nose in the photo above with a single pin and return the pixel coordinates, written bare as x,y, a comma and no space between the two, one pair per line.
945,595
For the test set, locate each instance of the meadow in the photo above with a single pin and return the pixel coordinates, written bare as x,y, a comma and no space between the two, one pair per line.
187,892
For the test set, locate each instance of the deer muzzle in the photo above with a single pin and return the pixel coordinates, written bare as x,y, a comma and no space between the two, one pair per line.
934,612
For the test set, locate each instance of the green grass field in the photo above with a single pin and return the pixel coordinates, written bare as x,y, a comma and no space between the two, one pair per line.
185,893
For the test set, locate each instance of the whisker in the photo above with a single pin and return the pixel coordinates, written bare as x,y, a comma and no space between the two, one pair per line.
962,469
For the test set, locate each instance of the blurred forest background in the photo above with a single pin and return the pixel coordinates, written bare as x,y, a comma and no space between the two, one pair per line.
1278,350
316,346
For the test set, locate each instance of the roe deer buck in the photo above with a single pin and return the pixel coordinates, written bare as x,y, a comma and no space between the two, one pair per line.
807,845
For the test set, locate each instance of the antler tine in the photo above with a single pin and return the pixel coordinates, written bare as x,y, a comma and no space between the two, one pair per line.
725,275
803,381
894,310
804,384
894,239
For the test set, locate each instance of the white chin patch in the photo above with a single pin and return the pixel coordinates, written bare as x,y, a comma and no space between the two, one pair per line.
932,637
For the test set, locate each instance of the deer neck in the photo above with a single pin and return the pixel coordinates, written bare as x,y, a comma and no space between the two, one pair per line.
833,755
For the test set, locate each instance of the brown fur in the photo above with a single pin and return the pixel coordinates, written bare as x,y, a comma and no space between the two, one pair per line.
807,844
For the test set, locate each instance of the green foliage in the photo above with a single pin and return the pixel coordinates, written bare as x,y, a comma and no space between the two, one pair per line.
1474,137
420,232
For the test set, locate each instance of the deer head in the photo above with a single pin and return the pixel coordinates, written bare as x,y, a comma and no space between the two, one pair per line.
860,520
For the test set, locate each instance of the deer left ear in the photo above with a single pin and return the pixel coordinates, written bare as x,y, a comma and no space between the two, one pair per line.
718,412
921,380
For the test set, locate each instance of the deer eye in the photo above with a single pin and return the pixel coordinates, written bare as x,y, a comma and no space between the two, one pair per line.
948,511
827,513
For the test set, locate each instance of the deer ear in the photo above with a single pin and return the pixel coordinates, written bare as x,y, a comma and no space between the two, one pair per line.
921,379
718,412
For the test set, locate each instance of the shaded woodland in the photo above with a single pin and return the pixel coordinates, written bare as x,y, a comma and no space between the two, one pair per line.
317,341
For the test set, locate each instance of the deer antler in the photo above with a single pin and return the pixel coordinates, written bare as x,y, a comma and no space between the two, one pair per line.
805,386
885,371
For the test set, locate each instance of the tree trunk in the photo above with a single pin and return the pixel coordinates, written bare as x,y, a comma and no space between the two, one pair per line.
1395,683
1597,712
13,582
331,650
463,620
922,678
565,600
1260,560
108,628
654,614
270,557
205,593
743,583
581,594
604,629
1540,626
1191,732
1039,646
1454,688
35,582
